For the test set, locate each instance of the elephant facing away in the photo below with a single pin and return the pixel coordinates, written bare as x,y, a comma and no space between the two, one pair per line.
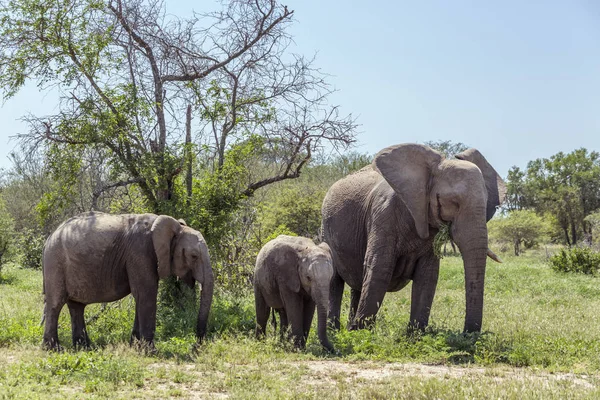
380,223
292,275
97,258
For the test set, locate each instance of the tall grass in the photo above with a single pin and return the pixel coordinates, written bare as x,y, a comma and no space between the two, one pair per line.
534,317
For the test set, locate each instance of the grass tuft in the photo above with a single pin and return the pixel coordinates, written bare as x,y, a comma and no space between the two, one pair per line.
442,237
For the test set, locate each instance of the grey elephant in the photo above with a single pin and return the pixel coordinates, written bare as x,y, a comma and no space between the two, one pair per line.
380,223
292,275
97,258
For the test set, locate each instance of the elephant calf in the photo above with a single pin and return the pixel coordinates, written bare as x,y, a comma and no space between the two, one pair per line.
97,258
292,275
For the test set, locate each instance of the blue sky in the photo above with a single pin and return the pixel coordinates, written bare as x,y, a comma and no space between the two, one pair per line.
517,80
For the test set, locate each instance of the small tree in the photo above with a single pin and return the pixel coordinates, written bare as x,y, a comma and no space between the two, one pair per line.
594,221
448,148
521,228
7,232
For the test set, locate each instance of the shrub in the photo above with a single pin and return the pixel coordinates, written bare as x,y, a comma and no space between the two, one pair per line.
31,247
576,259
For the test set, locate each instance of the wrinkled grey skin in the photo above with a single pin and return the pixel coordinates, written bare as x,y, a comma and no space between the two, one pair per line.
380,223
97,258
292,275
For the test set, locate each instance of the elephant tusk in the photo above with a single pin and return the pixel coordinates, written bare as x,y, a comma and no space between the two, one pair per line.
493,256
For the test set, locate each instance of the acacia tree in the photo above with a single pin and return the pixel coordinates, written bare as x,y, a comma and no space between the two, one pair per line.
127,71
447,147
519,227
566,185
516,196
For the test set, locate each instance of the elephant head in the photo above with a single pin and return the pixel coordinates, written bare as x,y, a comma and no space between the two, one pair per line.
315,270
464,192
182,251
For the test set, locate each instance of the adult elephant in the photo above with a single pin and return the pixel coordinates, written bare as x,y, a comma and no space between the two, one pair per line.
380,223
97,258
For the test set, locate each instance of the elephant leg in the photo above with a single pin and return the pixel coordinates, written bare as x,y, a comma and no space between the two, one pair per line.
52,312
309,312
145,309
354,299
336,292
262,313
423,290
135,331
380,262
283,323
294,308
78,329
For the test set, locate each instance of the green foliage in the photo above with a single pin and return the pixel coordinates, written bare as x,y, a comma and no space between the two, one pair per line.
566,185
280,230
518,228
298,208
594,221
576,259
178,311
441,238
516,191
31,248
447,147
7,234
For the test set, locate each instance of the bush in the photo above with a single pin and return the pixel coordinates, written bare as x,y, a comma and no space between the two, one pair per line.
576,259
31,248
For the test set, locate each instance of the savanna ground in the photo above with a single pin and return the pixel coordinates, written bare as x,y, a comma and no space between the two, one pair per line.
541,340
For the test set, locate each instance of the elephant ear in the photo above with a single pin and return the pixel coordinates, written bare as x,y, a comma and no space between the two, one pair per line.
408,169
325,247
299,259
164,230
496,188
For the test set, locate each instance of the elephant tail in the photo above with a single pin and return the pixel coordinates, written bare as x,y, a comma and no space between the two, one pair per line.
273,320
43,314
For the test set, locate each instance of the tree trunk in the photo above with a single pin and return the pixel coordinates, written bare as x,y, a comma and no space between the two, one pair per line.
566,231
574,232
188,153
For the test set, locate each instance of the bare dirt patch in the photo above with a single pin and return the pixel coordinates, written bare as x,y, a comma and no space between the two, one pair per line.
371,371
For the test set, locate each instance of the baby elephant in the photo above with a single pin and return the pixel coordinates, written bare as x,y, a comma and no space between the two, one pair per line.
292,275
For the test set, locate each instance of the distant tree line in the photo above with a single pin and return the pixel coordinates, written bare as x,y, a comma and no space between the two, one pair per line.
563,189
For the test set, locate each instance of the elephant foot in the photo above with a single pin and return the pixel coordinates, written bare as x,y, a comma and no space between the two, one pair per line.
415,328
52,345
362,323
328,347
299,343
82,344
144,346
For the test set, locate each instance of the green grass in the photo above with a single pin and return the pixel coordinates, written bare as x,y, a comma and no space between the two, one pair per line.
541,339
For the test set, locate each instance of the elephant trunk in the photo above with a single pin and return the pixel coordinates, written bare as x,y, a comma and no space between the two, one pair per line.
472,240
322,308
474,261
205,300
